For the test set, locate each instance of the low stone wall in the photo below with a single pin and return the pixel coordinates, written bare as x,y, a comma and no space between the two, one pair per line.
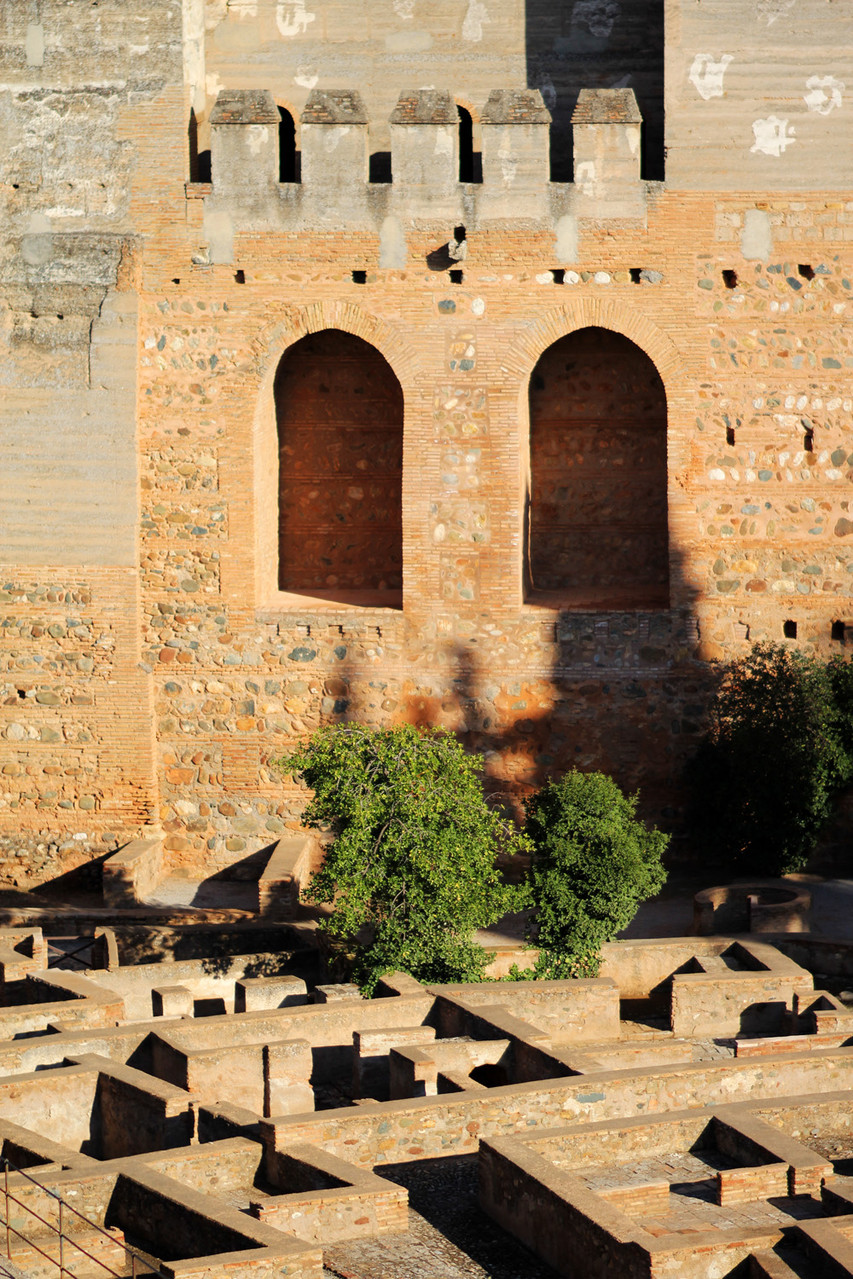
759,906
131,874
453,1123
567,1011
561,1220
328,1200
292,862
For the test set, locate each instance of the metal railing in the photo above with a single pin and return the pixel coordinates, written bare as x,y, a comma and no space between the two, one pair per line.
139,1264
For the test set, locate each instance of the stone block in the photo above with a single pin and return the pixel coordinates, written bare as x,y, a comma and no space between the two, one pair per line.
516,154
607,127
425,153
171,1001
244,147
255,993
344,992
334,145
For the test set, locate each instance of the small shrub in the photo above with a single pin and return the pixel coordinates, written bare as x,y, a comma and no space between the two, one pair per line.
594,861
780,748
411,872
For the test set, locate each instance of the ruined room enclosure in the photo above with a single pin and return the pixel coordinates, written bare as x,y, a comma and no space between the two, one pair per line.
597,533
339,411
693,1103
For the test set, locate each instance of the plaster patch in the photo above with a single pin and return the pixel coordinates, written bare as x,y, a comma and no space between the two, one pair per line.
756,241
332,138
771,10
34,45
404,9
257,136
443,142
825,93
598,15
706,74
772,135
392,245
566,243
219,231
509,163
408,41
306,76
37,242
585,176
292,18
478,306
243,8
212,85
472,25
549,93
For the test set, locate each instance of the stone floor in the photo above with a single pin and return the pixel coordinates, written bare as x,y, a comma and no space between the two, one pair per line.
448,1236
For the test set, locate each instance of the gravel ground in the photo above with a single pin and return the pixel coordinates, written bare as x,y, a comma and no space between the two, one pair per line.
448,1236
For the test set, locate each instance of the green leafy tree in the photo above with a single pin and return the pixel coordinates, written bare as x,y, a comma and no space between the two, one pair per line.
779,750
594,861
411,872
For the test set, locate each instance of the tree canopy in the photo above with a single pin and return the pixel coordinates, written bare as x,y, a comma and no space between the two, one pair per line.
594,861
411,872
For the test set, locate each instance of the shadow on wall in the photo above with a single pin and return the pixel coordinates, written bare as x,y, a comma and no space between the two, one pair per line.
621,693
597,44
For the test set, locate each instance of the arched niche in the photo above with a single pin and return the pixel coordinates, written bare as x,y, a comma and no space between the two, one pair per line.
597,531
339,417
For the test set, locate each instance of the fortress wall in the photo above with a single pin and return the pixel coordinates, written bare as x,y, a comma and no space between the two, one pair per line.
757,96
151,665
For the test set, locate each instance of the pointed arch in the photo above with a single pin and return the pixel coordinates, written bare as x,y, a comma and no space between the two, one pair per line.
339,414
255,471
597,510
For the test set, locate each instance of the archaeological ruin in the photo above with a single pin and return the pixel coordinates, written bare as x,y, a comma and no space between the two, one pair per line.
190,1106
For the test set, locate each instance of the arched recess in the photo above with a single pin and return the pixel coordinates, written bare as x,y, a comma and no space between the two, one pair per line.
339,418
597,523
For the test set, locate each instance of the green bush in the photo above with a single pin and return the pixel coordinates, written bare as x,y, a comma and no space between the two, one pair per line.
411,872
594,861
779,750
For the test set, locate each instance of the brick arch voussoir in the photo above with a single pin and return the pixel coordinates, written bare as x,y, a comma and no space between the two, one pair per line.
277,338
601,313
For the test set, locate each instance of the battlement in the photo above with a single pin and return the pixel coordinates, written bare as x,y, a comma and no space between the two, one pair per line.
427,160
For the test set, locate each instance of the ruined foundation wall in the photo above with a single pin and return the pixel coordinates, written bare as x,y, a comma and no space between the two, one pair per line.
152,666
